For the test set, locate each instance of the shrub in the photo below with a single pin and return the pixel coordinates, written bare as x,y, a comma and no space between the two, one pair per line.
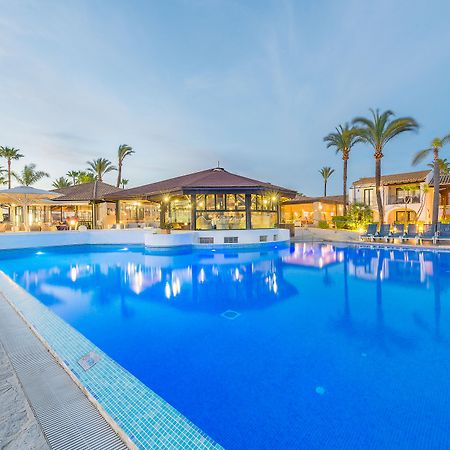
359,215
340,222
323,224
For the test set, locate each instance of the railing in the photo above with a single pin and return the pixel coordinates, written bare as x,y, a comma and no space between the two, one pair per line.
393,200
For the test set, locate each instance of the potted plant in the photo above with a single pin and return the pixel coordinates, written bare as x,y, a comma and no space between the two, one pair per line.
165,228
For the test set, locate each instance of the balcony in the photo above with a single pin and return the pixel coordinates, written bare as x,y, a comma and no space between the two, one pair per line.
407,199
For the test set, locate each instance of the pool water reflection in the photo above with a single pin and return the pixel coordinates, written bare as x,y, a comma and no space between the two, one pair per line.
331,347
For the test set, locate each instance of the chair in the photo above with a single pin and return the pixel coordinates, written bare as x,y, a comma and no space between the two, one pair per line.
398,232
443,232
370,233
411,232
384,233
428,234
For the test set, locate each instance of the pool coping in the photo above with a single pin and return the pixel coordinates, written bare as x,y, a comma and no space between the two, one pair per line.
138,415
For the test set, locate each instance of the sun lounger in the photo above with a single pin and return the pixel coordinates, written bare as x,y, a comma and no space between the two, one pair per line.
428,234
398,232
384,233
411,232
443,233
370,233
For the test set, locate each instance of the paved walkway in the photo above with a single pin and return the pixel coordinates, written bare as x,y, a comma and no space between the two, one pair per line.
19,428
40,406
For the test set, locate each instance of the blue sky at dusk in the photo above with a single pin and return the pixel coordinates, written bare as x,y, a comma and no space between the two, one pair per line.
252,84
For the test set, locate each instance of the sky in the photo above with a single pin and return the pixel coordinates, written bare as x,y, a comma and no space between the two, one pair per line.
253,84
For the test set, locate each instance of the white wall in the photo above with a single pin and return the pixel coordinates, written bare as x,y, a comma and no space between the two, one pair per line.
134,236
58,238
244,237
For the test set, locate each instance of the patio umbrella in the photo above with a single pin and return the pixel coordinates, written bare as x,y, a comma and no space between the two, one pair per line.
25,196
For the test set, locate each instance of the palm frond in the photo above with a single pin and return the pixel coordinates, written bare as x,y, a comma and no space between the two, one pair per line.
421,155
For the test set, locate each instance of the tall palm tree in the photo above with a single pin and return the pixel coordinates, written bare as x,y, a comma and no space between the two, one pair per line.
61,182
29,175
100,167
378,131
436,145
74,174
326,173
10,153
123,182
123,151
343,140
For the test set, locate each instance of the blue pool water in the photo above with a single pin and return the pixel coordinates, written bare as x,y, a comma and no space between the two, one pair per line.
331,347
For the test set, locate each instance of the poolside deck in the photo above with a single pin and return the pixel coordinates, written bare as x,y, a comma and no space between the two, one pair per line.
40,406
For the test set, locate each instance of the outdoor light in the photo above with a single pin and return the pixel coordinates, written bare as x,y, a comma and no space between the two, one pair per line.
166,198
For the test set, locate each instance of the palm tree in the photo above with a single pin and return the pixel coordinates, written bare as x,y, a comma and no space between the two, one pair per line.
74,174
61,182
10,153
29,175
123,182
378,131
444,166
436,145
3,179
124,151
85,177
343,140
326,173
100,167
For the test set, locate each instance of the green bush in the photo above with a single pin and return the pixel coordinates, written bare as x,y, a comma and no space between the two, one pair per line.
323,224
359,215
340,222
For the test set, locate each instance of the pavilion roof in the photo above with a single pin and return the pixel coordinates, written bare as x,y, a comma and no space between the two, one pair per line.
93,191
205,180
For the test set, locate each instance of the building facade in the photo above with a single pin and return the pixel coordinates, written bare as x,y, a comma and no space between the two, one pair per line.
407,197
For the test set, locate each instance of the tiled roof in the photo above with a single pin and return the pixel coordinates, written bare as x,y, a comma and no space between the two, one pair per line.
95,190
333,199
216,178
396,178
444,179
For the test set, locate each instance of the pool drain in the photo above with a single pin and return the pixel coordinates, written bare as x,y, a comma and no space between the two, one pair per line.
230,314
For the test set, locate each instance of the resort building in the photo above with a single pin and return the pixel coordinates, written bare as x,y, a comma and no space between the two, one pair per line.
304,211
205,200
444,196
406,196
84,204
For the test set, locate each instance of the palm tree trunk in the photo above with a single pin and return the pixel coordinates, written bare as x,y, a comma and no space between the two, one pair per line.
378,188
119,174
9,174
436,189
325,188
345,158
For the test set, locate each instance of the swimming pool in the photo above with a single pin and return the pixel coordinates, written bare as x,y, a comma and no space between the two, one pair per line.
308,346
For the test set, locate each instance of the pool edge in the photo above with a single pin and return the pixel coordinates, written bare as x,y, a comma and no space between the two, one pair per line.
185,426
